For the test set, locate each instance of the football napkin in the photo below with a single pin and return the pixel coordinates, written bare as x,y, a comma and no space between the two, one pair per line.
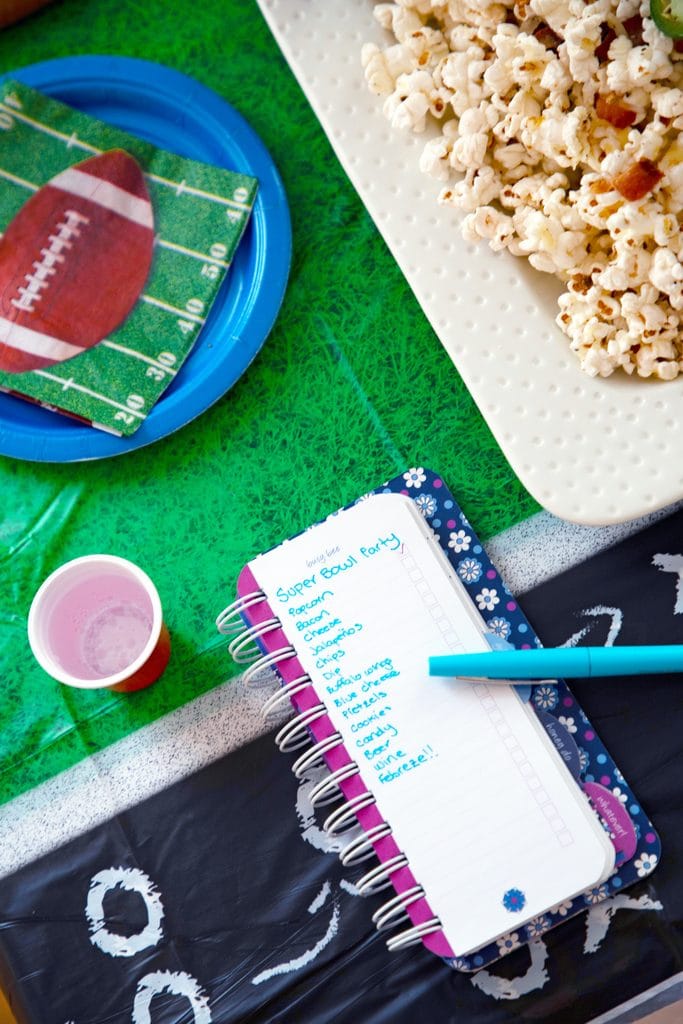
111,256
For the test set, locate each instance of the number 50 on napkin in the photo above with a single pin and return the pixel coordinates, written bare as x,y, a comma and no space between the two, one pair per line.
111,256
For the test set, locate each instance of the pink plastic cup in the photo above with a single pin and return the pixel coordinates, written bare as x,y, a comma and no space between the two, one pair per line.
96,623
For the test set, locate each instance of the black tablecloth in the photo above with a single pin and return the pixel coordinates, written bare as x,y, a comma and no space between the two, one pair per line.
220,900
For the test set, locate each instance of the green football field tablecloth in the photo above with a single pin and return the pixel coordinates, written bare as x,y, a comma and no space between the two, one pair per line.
351,387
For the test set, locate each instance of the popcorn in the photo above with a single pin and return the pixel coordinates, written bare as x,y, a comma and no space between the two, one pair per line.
560,137
435,159
382,68
666,274
487,222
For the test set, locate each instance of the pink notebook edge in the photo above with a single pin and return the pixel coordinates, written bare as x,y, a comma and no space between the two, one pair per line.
289,669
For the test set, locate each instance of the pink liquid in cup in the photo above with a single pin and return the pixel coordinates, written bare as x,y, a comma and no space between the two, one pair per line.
100,626
97,622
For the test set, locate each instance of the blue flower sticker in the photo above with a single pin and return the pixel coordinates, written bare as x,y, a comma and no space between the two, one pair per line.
514,900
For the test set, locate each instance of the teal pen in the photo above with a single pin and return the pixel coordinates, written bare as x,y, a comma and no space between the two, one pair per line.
557,662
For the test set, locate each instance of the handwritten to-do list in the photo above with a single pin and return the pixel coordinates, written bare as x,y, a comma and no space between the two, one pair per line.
464,774
358,679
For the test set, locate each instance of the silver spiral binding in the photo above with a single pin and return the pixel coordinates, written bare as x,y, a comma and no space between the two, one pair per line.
394,910
295,733
341,819
244,649
314,756
361,848
267,661
327,790
283,695
239,647
380,877
230,621
411,936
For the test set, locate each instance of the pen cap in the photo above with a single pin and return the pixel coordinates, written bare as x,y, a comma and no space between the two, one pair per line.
539,663
636,660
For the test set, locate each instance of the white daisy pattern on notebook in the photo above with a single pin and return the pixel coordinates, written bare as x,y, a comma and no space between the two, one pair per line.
568,722
469,570
426,504
415,477
506,943
459,540
499,626
596,895
562,908
646,863
545,697
487,598
537,926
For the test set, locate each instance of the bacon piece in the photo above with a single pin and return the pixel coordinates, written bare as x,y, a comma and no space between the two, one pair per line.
608,35
637,180
545,35
610,108
634,29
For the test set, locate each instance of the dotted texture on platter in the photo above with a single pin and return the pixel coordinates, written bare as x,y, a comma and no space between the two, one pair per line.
594,451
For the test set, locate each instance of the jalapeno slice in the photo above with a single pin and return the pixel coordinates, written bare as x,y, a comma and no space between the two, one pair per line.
668,17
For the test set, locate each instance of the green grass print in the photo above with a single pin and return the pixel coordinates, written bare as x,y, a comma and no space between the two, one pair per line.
194,213
351,387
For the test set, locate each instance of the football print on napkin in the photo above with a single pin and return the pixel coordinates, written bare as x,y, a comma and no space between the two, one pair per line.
73,262
111,255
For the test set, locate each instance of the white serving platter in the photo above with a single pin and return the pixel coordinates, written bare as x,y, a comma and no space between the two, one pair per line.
593,451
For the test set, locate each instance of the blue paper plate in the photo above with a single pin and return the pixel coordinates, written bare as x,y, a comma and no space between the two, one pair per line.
176,113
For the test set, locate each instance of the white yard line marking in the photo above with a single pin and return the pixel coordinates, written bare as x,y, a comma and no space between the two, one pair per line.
71,140
191,252
173,309
138,355
18,181
182,188
86,391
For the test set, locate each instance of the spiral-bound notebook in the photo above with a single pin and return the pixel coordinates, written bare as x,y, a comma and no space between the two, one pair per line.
468,797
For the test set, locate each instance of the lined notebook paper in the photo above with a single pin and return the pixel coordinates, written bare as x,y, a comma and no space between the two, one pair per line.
493,826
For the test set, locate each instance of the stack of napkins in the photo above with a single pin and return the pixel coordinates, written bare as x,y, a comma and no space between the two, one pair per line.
111,256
